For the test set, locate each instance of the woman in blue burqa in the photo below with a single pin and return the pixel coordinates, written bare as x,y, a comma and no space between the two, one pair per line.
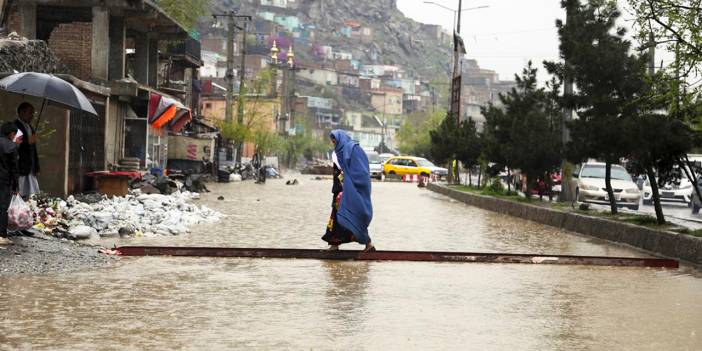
352,210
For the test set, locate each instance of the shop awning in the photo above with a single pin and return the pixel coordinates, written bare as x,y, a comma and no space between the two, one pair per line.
167,112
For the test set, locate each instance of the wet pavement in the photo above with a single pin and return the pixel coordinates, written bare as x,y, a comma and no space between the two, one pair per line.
225,303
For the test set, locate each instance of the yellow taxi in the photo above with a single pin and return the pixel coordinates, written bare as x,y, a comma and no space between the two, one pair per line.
404,165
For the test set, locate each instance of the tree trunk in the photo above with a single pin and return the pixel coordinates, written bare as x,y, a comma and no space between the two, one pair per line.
608,186
480,174
509,181
660,219
458,173
470,177
527,192
691,176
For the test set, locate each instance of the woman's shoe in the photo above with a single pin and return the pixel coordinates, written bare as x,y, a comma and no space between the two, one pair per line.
369,248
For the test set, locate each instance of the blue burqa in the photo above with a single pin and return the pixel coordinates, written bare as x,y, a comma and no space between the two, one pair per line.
355,210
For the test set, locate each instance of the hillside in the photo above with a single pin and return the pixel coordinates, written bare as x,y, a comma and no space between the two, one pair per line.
385,35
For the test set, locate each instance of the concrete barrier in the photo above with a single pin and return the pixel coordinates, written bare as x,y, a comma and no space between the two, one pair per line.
658,242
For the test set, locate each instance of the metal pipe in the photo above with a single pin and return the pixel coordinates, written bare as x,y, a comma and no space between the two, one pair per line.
422,256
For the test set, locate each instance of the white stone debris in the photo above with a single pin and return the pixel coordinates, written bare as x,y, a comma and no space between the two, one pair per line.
136,214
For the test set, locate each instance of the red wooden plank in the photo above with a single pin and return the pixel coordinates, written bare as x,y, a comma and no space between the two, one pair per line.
426,256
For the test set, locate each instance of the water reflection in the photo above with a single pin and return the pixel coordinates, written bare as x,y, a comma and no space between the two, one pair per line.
347,286
228,303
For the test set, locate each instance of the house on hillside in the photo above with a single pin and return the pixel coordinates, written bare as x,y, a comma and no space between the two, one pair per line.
387,101
319,76
480,87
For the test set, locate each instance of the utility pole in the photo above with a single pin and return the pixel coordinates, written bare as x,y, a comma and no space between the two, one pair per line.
242,91
231,17
456,73
566,167
229,75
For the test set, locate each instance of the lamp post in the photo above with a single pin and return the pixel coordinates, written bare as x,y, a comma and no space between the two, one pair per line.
288,69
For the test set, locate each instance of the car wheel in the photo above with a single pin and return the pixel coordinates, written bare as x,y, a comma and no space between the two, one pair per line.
648,202
634,207
392,173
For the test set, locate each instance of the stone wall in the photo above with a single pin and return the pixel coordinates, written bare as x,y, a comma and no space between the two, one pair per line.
679,246
72,43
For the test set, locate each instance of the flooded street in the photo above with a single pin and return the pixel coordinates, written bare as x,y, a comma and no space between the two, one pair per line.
161,303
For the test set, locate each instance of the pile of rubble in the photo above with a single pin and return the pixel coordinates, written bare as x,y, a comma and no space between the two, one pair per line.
22,55
136,214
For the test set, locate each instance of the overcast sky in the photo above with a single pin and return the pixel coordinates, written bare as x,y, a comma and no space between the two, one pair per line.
504,36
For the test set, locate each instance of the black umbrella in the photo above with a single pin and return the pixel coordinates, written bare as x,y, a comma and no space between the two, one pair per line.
48,87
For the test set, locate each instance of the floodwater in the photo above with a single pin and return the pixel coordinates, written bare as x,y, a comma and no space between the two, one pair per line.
160,303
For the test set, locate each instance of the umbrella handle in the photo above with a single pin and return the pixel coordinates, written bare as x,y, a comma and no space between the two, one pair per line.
41,110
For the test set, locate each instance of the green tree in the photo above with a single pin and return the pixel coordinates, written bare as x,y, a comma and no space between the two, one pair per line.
469,145
525,135
256,122
674,24
187,12
413,136
609,82
444,140
663,139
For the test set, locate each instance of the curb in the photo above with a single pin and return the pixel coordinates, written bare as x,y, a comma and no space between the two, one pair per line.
662,243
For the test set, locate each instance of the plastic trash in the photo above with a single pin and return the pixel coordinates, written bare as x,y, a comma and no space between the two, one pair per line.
19,215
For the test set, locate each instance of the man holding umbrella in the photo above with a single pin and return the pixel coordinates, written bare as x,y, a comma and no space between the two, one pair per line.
52,90
28,159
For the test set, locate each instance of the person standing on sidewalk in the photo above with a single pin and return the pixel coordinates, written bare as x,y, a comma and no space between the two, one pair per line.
354,210
8,174
28,158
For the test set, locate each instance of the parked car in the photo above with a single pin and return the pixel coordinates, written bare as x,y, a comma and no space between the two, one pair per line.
404,165
385,156
590,186
670,192
541,188
374,164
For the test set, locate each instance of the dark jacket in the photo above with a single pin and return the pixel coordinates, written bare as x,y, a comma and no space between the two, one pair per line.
8,164
28,158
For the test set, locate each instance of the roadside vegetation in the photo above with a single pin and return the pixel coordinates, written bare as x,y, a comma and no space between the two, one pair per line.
625,106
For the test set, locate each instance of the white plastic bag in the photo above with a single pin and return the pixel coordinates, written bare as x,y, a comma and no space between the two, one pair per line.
19,215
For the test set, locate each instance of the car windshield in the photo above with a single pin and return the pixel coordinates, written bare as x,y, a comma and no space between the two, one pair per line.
424,163
374,158
599,172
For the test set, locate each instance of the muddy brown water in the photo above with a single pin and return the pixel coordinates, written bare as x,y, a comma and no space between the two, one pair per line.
159,303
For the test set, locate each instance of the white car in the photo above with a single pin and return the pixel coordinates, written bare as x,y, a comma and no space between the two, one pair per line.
681,192
590,186
375,164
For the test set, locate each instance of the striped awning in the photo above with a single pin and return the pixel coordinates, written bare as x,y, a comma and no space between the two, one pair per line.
167,112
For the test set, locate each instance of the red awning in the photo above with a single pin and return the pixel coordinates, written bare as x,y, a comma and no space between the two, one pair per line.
169,112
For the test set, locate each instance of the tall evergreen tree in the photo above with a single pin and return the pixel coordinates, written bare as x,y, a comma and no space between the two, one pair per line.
526,134
608,79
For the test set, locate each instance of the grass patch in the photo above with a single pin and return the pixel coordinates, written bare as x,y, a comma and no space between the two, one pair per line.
637,219
696,232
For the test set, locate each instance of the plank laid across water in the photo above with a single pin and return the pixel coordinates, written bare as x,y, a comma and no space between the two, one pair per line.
426,256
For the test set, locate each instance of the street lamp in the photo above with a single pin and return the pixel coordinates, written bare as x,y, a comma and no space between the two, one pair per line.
287,67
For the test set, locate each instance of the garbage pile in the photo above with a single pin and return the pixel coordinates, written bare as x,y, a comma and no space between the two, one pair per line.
319,166
136,214
158,184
